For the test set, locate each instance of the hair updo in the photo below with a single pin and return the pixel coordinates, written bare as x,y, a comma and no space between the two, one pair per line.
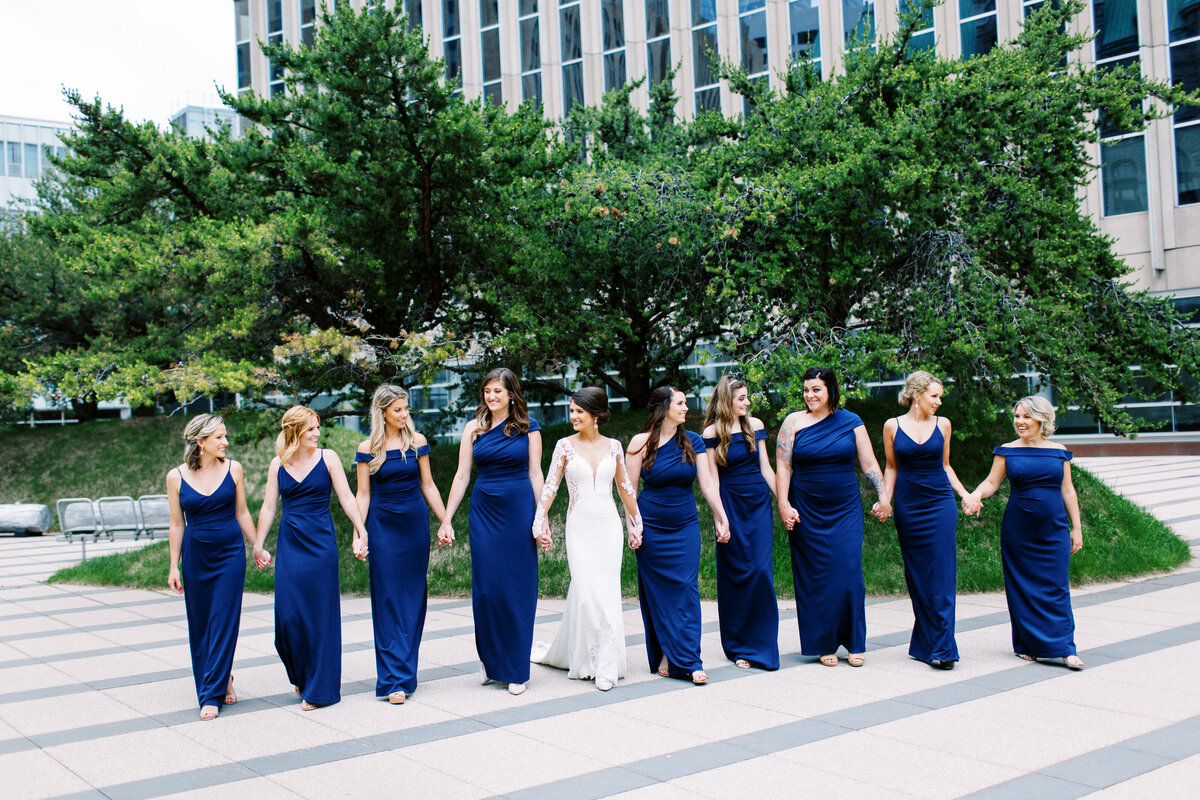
200,428
915,384
1040,409
295,422
594,401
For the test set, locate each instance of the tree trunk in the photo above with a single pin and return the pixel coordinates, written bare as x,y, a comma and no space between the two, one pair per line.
86,408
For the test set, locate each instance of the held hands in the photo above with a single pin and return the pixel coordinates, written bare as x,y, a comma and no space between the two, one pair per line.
262,559
881,510
722,531
788,515
543,538
972,506
445,533
359,547
173,581
634,525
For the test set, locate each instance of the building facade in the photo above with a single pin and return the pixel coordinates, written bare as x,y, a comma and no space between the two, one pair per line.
28,145
1146,192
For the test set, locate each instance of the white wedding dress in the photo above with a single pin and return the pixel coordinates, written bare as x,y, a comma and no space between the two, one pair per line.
590,642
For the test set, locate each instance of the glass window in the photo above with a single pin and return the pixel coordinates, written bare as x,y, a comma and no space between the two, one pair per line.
708,100
243,65
1185,70
658,20
977,26
493,93
659,54
308,12
412,8
32,168
527,7
449,18
531,87
531,57
14,159
572,86
858,20
276,74
1187,163
491,55
274,16
241,13
1123,175
614,70
489,13
1116,27
703,12
572,41
453,60
922,37
1183,17
704,51
612,14
805,25
754,42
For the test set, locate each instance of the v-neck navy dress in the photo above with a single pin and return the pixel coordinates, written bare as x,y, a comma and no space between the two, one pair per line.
212,561
308,602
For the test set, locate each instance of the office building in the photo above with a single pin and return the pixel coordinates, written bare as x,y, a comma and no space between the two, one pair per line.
28,145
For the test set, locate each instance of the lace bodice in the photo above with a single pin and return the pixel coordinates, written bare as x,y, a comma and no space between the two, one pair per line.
586,487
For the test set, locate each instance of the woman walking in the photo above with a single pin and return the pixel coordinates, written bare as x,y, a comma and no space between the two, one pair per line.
590,642
746,604
209,519
507,447
308,603
820,505
1040,532
921,484
669,461
395,493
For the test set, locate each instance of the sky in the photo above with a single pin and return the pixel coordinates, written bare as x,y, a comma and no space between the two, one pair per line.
150,57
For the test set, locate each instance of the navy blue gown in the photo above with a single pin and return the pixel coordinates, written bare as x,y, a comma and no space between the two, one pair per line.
398,535
669,560
827,542
504,572
746,601
1035,550
308,600
212,561
926,521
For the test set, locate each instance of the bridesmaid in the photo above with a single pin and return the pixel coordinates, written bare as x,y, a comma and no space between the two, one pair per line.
507,446
1039,534
308,601
669,460
921,483
820,505
395,493
737,448
209,492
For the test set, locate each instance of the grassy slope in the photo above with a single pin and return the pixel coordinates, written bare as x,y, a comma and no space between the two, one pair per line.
132,457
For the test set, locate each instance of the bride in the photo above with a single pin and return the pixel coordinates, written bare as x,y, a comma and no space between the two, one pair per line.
591,640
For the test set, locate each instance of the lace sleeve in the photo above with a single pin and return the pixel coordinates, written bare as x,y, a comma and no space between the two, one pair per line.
558,463
624,487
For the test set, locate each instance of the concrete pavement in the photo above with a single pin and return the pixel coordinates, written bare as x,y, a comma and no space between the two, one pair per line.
97,700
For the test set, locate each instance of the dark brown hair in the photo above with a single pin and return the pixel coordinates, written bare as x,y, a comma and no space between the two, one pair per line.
518,410
660,401
594,401
826,376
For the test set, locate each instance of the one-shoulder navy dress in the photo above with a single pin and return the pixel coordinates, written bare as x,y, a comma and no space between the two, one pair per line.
746,601
1035,551
308,600
926,522
398,534
669,560
212,560
504,571
827,542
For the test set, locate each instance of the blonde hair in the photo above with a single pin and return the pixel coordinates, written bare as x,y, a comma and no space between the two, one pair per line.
720,414
917,383
1040,409
381,401
200,428
295,421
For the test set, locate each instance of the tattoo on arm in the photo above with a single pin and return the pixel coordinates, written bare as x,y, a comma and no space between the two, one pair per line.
877,481
783,444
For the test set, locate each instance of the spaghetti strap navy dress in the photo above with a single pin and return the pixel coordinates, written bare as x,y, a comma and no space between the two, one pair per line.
926,522
669,560
1035,551
746,603
308,600
212,561
504,571
398,532
827,542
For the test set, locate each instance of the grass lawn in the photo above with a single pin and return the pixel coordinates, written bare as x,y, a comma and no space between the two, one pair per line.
132,457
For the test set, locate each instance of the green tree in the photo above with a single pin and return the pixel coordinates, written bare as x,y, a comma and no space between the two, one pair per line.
918,212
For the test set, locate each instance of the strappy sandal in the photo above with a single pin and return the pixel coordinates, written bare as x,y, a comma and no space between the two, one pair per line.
664,671
397,698
829,659
1026,657
699,677
307,706
856,659
742,663
231,697
1073,662
209,712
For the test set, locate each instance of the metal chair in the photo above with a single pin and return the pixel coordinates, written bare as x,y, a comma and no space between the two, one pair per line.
119,517
155,514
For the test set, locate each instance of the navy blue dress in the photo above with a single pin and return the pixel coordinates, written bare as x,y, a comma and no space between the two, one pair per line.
308,600
926,522
669,560
504,572
1035,550
398,535
827,542
746,600
212,562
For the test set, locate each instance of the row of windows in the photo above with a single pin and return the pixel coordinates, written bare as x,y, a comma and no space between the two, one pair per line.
26,160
